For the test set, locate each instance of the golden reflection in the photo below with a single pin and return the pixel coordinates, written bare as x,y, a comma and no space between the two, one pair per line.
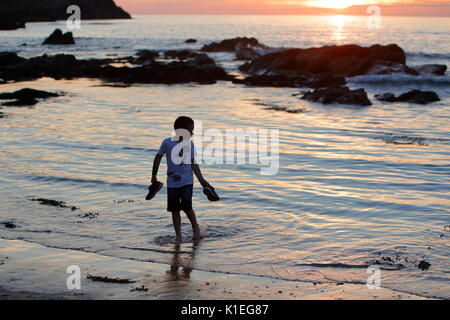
338,23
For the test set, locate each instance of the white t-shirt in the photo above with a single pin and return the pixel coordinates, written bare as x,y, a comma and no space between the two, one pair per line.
179,169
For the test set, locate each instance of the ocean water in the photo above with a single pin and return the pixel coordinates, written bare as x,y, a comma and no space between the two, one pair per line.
355,186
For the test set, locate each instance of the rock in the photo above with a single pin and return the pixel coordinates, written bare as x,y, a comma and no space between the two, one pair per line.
324,80
183,54
21,103
229,45
386,68
433,69
145,56
424,265
200,69
9,225
244,48
245,52
339,95
25,97
294,81
419,97
191,41
52,10
388,97
8,23
347,60
413,96
28,93
9,58
57,37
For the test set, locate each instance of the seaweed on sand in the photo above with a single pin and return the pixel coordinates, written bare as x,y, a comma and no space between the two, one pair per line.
53,203
111,280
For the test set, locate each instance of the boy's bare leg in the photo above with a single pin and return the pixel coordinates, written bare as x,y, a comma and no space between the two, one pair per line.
195,228
176,219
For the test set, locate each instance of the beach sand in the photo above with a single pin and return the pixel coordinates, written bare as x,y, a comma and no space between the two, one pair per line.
32,271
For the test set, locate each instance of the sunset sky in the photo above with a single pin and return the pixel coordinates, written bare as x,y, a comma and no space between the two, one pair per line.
389,7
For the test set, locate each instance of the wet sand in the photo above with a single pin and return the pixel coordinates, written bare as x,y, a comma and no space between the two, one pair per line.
32,271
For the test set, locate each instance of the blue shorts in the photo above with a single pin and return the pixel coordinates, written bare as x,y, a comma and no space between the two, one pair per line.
179,198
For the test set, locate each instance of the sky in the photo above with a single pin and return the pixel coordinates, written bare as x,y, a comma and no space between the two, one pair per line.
357,7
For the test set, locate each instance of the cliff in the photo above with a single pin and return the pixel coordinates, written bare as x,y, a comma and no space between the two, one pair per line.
14,13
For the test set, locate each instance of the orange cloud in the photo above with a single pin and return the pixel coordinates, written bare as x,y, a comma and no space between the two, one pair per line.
357,7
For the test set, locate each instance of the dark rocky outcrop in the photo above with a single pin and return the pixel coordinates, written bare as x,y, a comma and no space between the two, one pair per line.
28,93
386,97
7,23
388,67
247,52
183,54
21,103
294,81
25,97
348,60
244,48
146,56
200,69
339,95
229,45
19,11
9,58
58,37
432,69
413,96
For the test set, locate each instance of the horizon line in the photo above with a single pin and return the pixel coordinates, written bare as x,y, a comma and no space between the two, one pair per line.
282,14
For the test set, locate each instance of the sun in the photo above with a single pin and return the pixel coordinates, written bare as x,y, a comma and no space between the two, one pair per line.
333,4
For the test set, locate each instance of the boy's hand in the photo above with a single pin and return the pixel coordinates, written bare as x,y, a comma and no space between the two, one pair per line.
205,184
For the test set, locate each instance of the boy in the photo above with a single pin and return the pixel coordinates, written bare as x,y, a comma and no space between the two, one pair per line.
180,166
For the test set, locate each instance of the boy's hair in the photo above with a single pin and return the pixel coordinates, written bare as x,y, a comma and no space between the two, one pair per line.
183,123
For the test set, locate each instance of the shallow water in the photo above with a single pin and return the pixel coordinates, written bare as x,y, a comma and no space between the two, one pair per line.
354,184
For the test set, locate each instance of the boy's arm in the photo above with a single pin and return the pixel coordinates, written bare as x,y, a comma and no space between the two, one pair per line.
198,174
156,163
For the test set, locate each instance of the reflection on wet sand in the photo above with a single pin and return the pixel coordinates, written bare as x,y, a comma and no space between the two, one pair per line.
181,263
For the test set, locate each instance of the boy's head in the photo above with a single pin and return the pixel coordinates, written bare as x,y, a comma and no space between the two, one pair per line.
184,123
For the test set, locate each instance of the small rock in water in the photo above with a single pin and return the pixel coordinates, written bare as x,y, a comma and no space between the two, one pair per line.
191,41
21,103
433,69
419,97
339,95
9,225
57,37
424,265
25,97
413,96
388,97
229,45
